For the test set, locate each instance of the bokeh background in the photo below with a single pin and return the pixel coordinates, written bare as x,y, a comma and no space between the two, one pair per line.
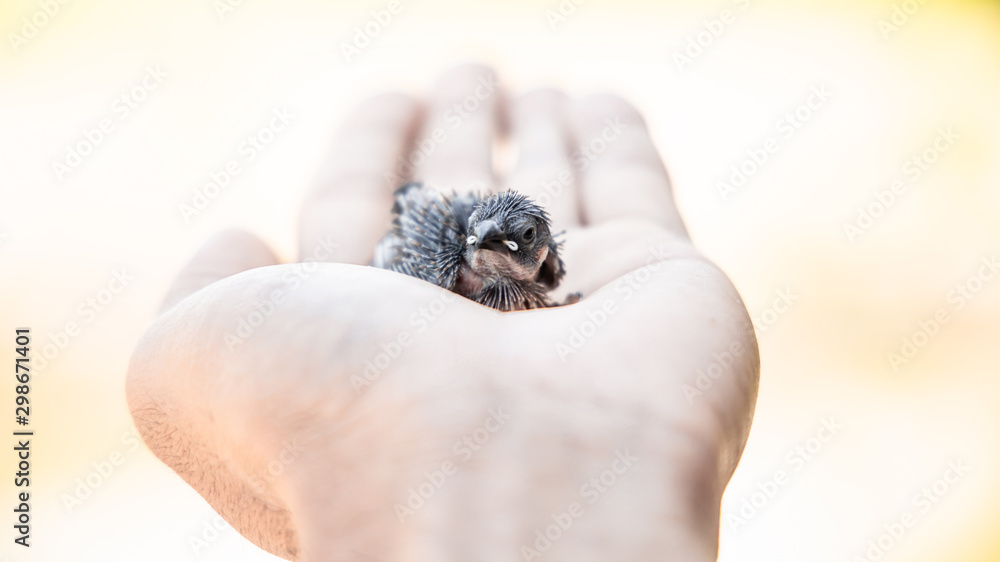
830,305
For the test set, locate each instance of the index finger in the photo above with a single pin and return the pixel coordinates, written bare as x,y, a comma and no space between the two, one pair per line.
348,209
457,141
621,173
226,253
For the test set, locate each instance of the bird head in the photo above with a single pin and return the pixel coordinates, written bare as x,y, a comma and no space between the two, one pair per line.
509,236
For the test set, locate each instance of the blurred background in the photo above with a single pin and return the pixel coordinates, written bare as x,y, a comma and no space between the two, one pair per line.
839,159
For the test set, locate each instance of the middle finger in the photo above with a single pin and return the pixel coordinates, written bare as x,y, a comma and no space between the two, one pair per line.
455,149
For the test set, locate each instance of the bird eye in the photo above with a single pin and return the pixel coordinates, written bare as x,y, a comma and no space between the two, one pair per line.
529,234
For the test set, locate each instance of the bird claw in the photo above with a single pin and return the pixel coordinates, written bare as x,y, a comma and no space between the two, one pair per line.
572,298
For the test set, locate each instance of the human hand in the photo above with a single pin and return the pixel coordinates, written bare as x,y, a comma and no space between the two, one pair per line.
369,415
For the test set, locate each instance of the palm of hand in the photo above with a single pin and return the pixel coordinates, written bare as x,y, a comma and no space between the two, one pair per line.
426,426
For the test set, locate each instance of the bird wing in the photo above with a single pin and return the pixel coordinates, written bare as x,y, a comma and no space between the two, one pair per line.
427,239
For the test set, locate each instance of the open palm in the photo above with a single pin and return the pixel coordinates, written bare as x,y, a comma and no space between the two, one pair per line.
333,411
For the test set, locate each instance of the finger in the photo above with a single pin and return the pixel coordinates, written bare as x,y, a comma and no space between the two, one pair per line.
543,171
455,147
621,174
227,253
347,210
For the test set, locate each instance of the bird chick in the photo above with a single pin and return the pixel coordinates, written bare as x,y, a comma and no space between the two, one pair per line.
497,250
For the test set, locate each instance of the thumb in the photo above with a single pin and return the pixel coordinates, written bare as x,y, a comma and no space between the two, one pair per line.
226,253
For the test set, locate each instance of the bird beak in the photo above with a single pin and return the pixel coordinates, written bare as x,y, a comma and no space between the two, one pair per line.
489,236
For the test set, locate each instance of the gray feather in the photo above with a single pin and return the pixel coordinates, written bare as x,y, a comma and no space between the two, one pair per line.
428,241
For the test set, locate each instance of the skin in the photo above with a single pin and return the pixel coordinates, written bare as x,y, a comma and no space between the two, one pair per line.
287,440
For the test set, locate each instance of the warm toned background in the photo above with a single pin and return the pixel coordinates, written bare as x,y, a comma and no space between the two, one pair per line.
824,357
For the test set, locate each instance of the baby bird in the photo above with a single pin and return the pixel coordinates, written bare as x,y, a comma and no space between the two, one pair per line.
496,250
